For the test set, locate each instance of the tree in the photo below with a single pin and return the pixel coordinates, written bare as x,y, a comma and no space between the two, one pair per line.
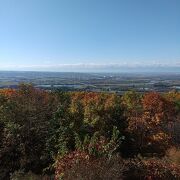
25,115
148,122
157,116
84,114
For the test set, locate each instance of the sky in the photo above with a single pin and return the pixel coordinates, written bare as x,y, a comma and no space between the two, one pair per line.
90,35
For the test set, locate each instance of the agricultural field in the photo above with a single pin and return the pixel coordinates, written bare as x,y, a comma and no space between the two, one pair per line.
97,82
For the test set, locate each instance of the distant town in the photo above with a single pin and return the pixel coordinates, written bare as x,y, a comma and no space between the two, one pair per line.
96,82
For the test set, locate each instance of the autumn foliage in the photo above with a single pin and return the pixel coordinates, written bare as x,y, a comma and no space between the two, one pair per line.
52,133
7,92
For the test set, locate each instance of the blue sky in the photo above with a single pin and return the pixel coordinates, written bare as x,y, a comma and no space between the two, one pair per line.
80,35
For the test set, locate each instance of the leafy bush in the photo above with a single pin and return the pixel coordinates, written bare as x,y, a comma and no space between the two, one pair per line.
19,175
173,154
152,168
88,150
101,169
118,168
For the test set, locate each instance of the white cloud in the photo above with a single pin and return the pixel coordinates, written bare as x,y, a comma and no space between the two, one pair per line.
89,66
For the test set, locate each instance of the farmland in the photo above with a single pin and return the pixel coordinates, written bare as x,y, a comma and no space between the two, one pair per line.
96,82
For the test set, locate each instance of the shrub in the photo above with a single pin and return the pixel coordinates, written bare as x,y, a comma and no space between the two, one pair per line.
101,169
152,169
67,161
20,175
89,150
173,154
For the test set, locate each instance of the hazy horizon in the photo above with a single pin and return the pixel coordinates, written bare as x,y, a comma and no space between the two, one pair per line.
116,68
124,71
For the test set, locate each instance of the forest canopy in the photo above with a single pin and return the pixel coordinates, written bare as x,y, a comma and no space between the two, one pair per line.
72,134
